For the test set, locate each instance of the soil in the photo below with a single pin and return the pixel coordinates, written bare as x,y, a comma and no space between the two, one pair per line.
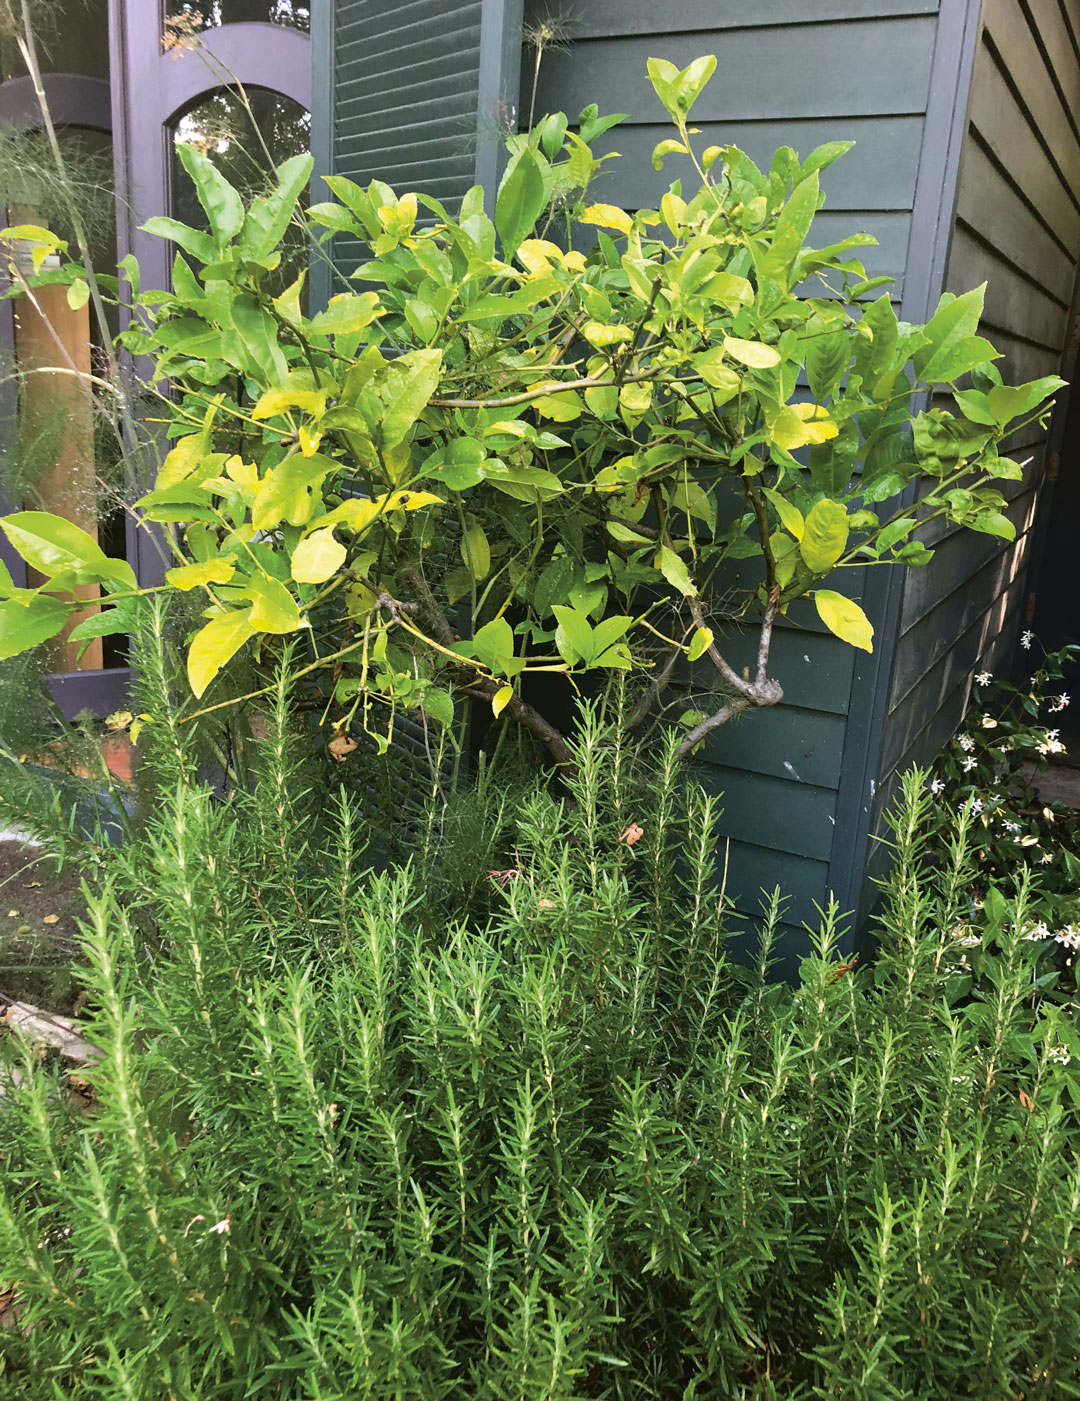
39,949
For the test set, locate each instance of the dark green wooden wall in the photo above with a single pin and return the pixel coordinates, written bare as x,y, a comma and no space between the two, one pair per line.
966,118
1017,228
789,73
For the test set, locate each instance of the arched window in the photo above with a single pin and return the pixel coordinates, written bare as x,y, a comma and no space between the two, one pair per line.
210,14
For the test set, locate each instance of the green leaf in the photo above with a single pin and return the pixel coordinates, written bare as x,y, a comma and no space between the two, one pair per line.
956,319
259,333
574,635
213,645
273,608
317,557
673,567
843,617
827,358
993,523
475,550
23,626
439,705
198,244
791,230
825,537
192,576
269,215
405,386
520,200
1007,402
52,546
493,645
489,307
224,207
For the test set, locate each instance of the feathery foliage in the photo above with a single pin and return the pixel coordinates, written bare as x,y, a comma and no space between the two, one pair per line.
346,1145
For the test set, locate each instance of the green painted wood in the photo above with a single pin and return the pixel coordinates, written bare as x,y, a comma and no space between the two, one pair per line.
926,718
955,561
1054,37
776,814
921,648
860,68
1002,125
752,870
1013,301
1010,35
853,184
803,746
991,207
590,19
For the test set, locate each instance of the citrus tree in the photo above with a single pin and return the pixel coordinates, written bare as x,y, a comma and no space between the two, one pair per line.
567,438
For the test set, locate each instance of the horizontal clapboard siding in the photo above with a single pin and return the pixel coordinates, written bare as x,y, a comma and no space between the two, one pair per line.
1017,228
796,74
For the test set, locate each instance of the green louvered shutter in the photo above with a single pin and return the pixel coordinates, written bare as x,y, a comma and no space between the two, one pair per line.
422,93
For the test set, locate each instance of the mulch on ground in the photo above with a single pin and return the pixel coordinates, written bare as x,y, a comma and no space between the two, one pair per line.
38,930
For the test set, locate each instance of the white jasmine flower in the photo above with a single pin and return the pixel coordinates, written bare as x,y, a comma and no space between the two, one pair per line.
1037,933
1045,858
969,764
975,806
936,786
1025,641
1060,702
1050,746
1069,937
220,1228
1060,1055
966,743
1012,826
984,678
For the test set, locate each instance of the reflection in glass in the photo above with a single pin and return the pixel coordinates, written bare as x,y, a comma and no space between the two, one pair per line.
193,16
245,142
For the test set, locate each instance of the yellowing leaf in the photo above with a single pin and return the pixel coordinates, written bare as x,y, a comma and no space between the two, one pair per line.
410,500
790,516
752,353
608,216
798,424
825,537
536,254
475,550
317,557
213,645
244,474
181,461
562,406
283,397
309,440
700,643
273,608
212,571
843,617
596,333
501,699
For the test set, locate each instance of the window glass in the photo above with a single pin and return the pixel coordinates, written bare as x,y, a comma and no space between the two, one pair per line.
245,142
197,15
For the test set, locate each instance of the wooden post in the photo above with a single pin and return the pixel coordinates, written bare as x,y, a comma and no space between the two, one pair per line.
48,336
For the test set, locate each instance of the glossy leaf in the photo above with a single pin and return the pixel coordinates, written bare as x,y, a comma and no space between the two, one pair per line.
317,558
23,626
824,536
845,618
213,645
520,200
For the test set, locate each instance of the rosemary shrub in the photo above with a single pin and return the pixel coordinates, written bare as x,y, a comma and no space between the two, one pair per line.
345,1147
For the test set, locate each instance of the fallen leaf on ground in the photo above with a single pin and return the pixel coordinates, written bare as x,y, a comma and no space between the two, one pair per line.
50,919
